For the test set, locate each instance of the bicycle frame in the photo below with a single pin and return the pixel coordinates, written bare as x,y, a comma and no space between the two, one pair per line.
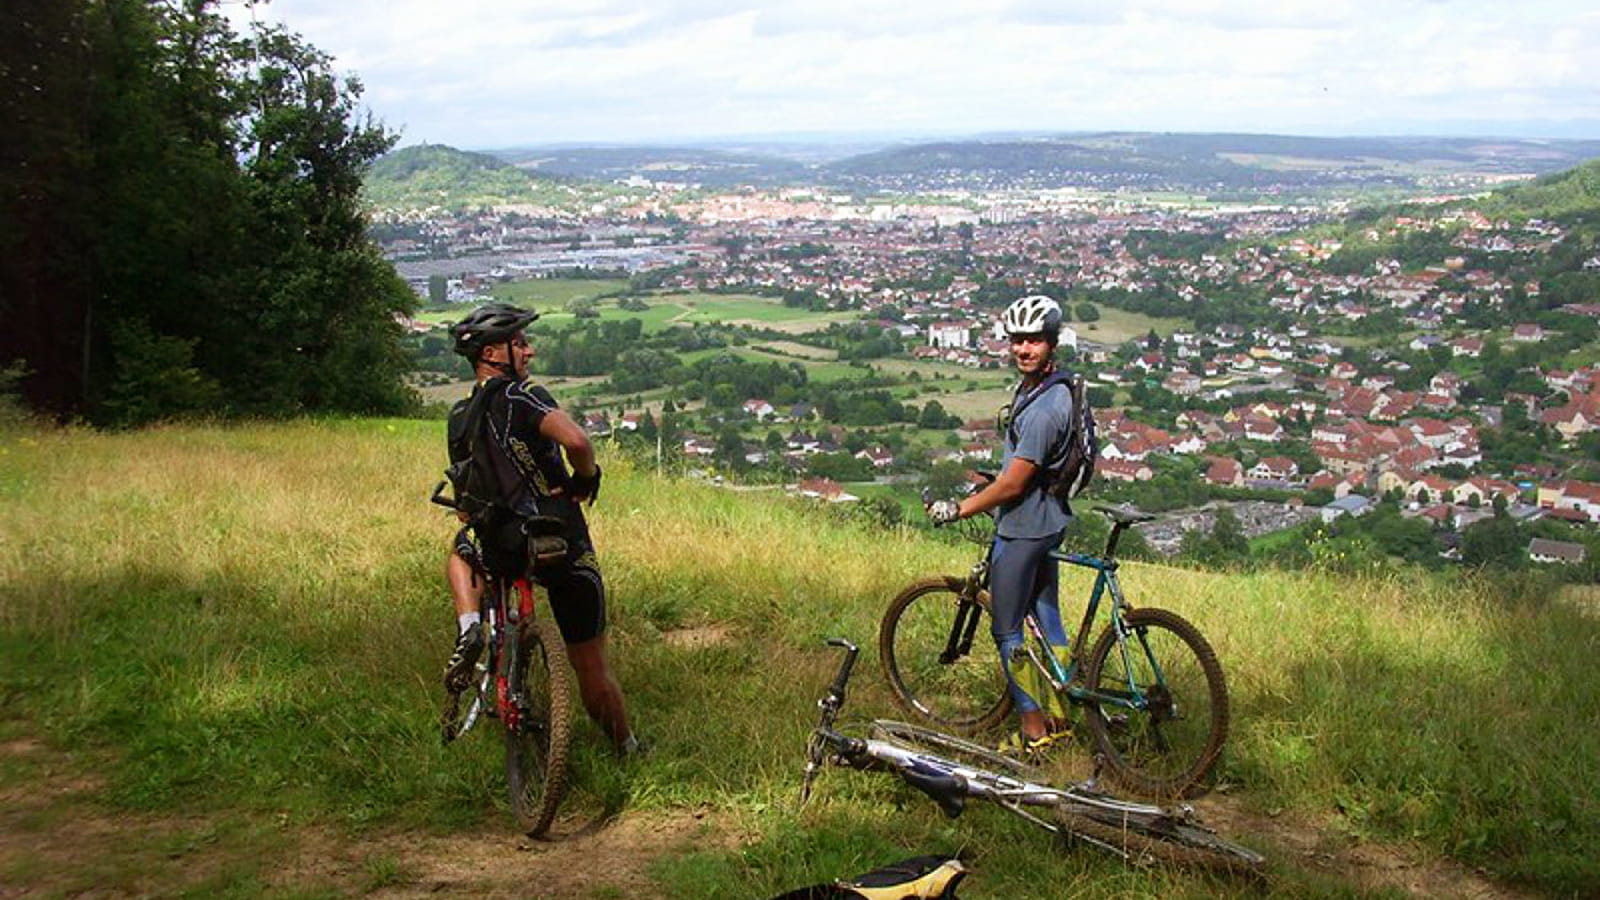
1063,676
493,677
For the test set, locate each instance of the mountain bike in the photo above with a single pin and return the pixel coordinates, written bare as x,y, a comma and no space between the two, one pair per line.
1155,698
950,770
522,680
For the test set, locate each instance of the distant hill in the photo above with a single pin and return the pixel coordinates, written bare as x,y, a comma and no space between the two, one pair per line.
1036,163
1207,162
690,165
1232,165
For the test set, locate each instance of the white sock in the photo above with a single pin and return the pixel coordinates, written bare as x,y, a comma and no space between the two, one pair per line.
465,621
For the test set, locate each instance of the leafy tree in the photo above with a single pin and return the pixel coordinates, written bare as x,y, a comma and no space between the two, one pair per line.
1497,542
1086,312
934,416
203,247
946,479
730,448
839,467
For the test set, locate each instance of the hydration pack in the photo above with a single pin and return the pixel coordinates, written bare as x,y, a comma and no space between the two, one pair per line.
1083,442
514,529
473,472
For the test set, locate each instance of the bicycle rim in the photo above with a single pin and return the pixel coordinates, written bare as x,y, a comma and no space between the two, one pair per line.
536,747
964,691
1168,748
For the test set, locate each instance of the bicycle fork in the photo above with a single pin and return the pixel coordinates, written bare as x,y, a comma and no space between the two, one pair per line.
963,627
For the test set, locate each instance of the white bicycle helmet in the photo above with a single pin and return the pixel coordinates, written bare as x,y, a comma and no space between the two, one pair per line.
1034,314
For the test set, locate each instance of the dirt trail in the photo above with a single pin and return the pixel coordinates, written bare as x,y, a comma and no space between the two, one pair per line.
1296,841
613,861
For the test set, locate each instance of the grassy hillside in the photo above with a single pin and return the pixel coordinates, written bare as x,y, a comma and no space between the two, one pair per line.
1563,195
433,175
230,638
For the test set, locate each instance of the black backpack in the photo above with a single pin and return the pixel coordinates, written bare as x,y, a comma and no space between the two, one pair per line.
513,528
1083,440
474,467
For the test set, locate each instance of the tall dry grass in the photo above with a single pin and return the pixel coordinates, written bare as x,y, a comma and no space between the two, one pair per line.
252,619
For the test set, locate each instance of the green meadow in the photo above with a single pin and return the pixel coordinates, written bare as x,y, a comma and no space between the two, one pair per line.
220,649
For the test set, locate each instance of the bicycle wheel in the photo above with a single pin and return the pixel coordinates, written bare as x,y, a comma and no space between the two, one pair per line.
536,743
1145,837
1168,747
940,659
955,749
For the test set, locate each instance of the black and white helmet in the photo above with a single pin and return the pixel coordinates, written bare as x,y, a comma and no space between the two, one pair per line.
1034,314
491,323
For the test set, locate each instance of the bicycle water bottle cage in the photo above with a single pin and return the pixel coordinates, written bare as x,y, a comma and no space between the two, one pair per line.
547,540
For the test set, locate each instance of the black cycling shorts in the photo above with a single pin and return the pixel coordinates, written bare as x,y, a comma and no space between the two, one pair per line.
577,592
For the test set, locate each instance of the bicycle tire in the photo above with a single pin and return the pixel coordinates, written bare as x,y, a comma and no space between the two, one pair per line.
967,694
1169,748
1147,838
950,747
536,748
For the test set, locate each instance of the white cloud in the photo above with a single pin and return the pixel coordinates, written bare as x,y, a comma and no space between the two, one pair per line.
487,73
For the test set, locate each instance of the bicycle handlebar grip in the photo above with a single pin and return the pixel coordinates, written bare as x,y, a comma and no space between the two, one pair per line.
839,680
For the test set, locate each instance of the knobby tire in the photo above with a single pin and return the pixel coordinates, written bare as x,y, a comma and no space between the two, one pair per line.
1169,749
966,695
536,752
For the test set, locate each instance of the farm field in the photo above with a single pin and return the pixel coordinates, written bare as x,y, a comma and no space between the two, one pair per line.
1116,326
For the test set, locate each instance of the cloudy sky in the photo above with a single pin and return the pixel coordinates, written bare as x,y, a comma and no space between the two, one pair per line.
484,74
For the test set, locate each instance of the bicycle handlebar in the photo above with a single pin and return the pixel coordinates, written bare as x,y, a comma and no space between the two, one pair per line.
837,689
439,497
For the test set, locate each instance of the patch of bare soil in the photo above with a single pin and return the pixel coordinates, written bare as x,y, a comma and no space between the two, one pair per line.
696,638
56,839
610,861
1301,842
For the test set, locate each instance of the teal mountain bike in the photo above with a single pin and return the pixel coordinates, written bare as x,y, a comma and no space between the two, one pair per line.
1153,693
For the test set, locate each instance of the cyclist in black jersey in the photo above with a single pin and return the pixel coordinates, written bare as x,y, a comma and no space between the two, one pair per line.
533,442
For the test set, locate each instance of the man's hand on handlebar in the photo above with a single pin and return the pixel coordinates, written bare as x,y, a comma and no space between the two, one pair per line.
943,512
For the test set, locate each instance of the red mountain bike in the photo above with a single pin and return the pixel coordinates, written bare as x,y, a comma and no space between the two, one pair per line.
522,680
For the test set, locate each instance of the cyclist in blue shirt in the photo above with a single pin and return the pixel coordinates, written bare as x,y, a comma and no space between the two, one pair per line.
1029,522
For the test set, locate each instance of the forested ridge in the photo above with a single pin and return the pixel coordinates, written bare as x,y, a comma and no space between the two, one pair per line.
180,219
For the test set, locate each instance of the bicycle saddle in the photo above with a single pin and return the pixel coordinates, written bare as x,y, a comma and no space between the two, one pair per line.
1123,515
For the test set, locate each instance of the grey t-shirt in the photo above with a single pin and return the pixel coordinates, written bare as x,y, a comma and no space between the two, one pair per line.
1040,433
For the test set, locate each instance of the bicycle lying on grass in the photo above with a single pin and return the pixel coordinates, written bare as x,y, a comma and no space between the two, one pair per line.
522,680
1136,832
1155,699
